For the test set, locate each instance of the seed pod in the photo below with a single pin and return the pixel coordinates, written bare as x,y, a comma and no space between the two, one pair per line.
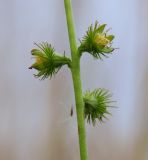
96,104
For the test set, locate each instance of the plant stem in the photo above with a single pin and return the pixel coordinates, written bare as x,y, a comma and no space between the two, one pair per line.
75,70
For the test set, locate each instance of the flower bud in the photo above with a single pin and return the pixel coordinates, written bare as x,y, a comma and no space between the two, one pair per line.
47,62
96,41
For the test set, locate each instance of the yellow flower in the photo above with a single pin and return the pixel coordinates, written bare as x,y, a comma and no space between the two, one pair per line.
101,40
96,41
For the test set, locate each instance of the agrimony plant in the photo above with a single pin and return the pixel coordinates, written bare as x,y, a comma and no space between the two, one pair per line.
93,105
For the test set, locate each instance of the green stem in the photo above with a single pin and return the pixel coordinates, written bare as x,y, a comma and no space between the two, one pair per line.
75,69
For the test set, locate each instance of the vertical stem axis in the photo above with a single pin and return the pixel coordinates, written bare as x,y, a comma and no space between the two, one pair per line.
75,70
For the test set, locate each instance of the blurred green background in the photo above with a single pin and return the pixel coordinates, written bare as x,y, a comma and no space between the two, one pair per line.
35,122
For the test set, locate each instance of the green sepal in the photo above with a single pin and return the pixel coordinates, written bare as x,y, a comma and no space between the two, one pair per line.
101,28
110,37
107,50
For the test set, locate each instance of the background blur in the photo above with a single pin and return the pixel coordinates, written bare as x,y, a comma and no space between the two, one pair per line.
35,122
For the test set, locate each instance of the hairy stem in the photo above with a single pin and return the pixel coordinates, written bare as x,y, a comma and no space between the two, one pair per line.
75,70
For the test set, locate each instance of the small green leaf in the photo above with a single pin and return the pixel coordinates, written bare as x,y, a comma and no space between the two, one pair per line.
110,37
107,50
101,28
